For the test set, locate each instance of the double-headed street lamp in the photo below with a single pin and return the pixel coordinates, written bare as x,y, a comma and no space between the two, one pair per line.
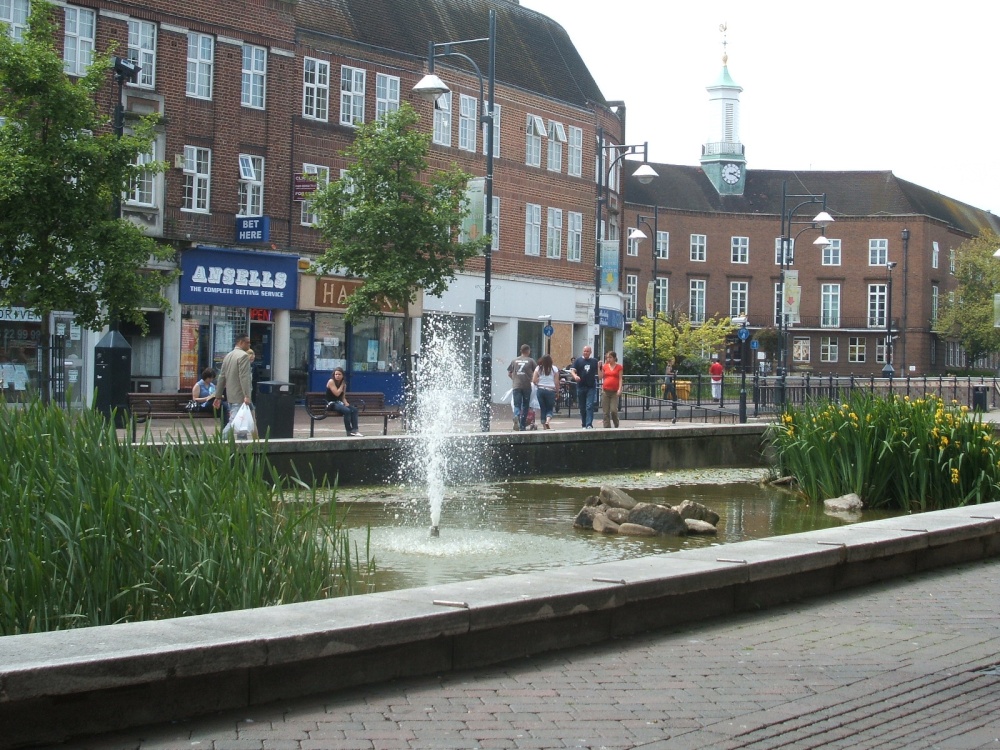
637,234
645,174
787,242
431,87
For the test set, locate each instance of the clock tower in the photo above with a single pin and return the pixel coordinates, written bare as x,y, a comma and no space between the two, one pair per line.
722,157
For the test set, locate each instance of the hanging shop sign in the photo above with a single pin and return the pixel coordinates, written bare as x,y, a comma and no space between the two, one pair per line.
253,229
237,278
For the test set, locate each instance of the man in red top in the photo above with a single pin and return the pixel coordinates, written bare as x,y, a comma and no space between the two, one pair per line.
716,370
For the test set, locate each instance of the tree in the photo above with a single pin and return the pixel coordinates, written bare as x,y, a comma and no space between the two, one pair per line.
388,227
677,339
970,318
61,168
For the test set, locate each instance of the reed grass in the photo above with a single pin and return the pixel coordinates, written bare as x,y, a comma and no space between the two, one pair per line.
95,530
896,453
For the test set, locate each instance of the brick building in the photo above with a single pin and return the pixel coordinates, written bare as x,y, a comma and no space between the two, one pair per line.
718,254
248,93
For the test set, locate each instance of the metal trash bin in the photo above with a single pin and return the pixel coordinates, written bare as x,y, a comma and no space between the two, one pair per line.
980,397
275,409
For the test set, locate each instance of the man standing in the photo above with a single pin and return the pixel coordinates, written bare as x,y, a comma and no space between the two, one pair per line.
520,371
584,371
235,382
715,370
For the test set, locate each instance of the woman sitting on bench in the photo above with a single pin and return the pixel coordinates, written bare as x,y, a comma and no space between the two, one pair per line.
203,392
336,395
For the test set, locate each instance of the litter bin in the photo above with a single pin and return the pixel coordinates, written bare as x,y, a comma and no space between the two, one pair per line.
275,409
980,394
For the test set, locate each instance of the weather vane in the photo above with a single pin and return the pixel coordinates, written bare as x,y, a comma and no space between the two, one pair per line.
722,28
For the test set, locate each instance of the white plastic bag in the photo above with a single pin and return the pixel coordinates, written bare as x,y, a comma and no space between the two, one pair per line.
533,403
243,423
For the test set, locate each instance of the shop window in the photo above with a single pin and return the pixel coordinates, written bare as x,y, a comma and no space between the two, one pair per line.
330,342
147,348
377,345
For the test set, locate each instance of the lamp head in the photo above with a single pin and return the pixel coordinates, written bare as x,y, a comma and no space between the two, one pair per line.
430,87
645,174
638,234
821,241
822,219
125,68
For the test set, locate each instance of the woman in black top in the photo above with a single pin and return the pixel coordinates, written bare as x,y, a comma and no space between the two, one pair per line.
336,395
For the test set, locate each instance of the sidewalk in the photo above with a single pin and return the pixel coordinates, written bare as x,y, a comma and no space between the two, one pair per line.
905,664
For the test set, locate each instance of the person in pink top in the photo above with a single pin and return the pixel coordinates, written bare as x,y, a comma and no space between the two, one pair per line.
611,388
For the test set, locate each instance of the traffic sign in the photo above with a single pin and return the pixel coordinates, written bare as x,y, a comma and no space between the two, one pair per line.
548,331
754,344
743,333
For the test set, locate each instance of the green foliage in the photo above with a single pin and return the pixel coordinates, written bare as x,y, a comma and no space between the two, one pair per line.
676,339
970,316
897,453
61,168
94,531
387,226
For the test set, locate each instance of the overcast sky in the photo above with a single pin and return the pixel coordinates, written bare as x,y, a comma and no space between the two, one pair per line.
874,85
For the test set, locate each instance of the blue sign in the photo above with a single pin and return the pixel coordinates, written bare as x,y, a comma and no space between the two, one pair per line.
239,278
253,228
548,331
612,319
755,344
743,333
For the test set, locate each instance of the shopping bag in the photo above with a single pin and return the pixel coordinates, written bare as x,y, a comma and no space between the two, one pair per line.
243,423
533,403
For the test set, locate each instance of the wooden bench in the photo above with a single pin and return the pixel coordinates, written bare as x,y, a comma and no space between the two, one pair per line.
368,405
148,406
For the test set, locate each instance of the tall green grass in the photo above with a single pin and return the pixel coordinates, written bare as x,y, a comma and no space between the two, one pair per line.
95,530
900,453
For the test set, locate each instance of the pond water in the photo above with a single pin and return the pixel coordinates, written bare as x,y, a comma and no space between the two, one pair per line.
523,526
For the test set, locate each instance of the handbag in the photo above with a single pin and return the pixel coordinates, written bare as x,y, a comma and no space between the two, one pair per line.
192,406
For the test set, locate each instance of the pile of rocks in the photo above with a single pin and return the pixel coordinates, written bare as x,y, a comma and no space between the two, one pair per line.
616,512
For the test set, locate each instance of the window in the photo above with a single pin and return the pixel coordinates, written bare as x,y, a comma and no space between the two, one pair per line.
197,178
386,95
699,247
142,187
789,257
142,51
574,152
831,253
935,303
468,113
442,119
308,218
880,349
951,260
557,137
631,245
935,254
631,295
15,13
876,305
254,76
251,185
829,349
856,349
352,95
878,252
696,302
495,228
534,131
660,295
574,237
200,56
739,295
662,245
829,305
532,229
801,349
740,247
78,40
496,132
777,304
315,89
553,237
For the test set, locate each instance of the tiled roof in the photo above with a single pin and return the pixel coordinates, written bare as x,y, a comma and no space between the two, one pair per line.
533,52
848,194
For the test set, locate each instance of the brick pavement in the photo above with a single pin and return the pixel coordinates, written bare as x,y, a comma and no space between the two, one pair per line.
907,664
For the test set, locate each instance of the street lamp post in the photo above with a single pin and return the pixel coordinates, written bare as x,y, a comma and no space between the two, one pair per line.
644,174
744,334
125,70
888,371
638,234
902,329
820,221
431,87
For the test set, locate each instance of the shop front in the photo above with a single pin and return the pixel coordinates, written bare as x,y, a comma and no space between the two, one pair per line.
23,351
370,350
225,293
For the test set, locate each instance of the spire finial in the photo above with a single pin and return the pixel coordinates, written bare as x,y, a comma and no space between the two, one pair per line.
722,29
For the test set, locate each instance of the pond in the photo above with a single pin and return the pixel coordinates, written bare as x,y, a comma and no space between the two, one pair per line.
522,526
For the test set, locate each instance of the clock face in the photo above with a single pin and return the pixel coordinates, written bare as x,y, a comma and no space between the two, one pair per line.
731,173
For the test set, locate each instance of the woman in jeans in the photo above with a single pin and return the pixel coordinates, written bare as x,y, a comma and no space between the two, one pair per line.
545,378
336,394
611,388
